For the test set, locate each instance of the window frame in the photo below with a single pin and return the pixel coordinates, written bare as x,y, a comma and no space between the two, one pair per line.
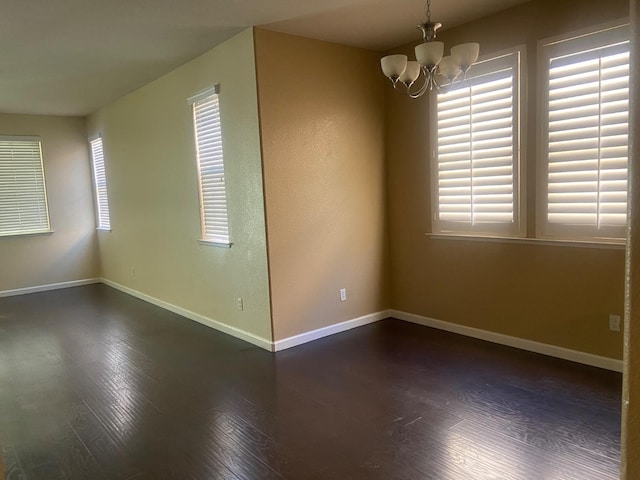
562,45
515,58
96,191
44,200
205,237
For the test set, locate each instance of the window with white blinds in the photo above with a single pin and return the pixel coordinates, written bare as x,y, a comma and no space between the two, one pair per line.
475,171
100,183
210,159
23,197
585,141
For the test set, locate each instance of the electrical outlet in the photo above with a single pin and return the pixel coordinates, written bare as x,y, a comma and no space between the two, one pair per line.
240,303
343,294
614,323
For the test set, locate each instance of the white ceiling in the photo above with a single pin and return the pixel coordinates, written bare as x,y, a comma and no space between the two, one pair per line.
70,57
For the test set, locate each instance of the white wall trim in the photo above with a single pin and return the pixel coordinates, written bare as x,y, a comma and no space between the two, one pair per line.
521,343
209,322
249,337
45,288
330,330
499,338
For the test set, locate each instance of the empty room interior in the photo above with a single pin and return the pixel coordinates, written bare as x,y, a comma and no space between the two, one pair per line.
297,240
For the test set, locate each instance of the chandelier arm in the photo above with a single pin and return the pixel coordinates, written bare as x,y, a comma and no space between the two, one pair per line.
423,87
429,77
442,88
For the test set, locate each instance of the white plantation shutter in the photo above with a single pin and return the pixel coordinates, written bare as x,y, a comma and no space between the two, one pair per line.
585,128
213,197
477,149
23,198
100,179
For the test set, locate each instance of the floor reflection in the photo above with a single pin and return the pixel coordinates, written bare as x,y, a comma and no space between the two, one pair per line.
97,385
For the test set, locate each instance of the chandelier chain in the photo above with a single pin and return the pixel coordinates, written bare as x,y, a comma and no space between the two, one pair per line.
428,11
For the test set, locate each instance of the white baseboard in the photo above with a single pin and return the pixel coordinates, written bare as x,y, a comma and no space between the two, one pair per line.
51,286
209,322
222,327
521,343
330,330
249,337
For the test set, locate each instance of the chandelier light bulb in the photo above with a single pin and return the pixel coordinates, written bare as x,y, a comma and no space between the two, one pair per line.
411,73
449,69
429,54
393,66
465,55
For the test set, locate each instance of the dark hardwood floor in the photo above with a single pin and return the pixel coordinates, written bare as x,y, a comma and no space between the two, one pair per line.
95,384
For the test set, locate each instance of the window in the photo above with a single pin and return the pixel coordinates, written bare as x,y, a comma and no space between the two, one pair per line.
100,182
585,95
475,170
23,197
211,178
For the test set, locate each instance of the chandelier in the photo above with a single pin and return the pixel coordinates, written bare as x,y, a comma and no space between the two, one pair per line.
430,62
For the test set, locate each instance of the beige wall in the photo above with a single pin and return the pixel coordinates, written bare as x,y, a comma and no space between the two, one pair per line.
551,294
322,126
151,177
70,253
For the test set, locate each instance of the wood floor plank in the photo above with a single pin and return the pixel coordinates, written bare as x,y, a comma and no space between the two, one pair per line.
10,466
98,385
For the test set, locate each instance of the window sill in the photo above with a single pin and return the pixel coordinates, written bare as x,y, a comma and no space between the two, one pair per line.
213,243
100,229
27,234
529,241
